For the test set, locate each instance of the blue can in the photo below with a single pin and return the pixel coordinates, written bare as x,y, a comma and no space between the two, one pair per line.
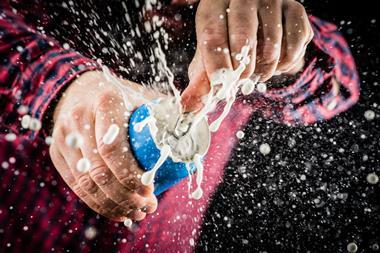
147,153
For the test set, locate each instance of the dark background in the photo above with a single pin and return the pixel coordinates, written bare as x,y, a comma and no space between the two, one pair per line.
264,206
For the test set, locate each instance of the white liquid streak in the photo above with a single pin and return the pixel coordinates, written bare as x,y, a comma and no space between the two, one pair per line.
197,194
228,83
148,177
189,182
163,66
124,89
138,127
111,134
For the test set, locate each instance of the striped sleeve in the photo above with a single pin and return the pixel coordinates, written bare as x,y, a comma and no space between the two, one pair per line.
34,69
328,86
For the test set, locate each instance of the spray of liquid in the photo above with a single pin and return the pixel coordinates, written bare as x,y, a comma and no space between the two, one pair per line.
224,87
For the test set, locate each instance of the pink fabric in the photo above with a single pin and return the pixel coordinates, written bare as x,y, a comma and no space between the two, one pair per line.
184,216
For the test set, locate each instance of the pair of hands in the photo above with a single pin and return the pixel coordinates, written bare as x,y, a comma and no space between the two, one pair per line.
277,31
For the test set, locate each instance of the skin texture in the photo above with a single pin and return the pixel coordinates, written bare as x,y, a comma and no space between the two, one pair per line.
277,31
112,186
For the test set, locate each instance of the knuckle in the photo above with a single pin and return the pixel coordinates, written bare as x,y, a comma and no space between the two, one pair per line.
290,57
58,135
79,191
101,175
77,113
269,57
241,37
129,180
87,184
106,98
118,211
107,150
213,38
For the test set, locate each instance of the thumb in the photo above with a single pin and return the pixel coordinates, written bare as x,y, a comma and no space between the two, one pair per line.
199,85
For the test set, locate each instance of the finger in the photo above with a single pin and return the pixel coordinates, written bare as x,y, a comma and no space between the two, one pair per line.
212,35
83,179
121,178
61,166
297,34
137,215
198,87
242,30
269,39
64,170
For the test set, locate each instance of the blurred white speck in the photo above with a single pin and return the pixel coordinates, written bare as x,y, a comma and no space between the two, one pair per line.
19,49
10,137
90,233
372,178
247,86
191,241
128,223
49,140
369,114
83,165
264,148
35,124
74,140
5,165
22,109
240,134
261,87
12,160
25,121
66,46
352,247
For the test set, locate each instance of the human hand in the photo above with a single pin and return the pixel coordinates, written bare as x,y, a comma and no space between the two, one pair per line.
277,32
110,184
